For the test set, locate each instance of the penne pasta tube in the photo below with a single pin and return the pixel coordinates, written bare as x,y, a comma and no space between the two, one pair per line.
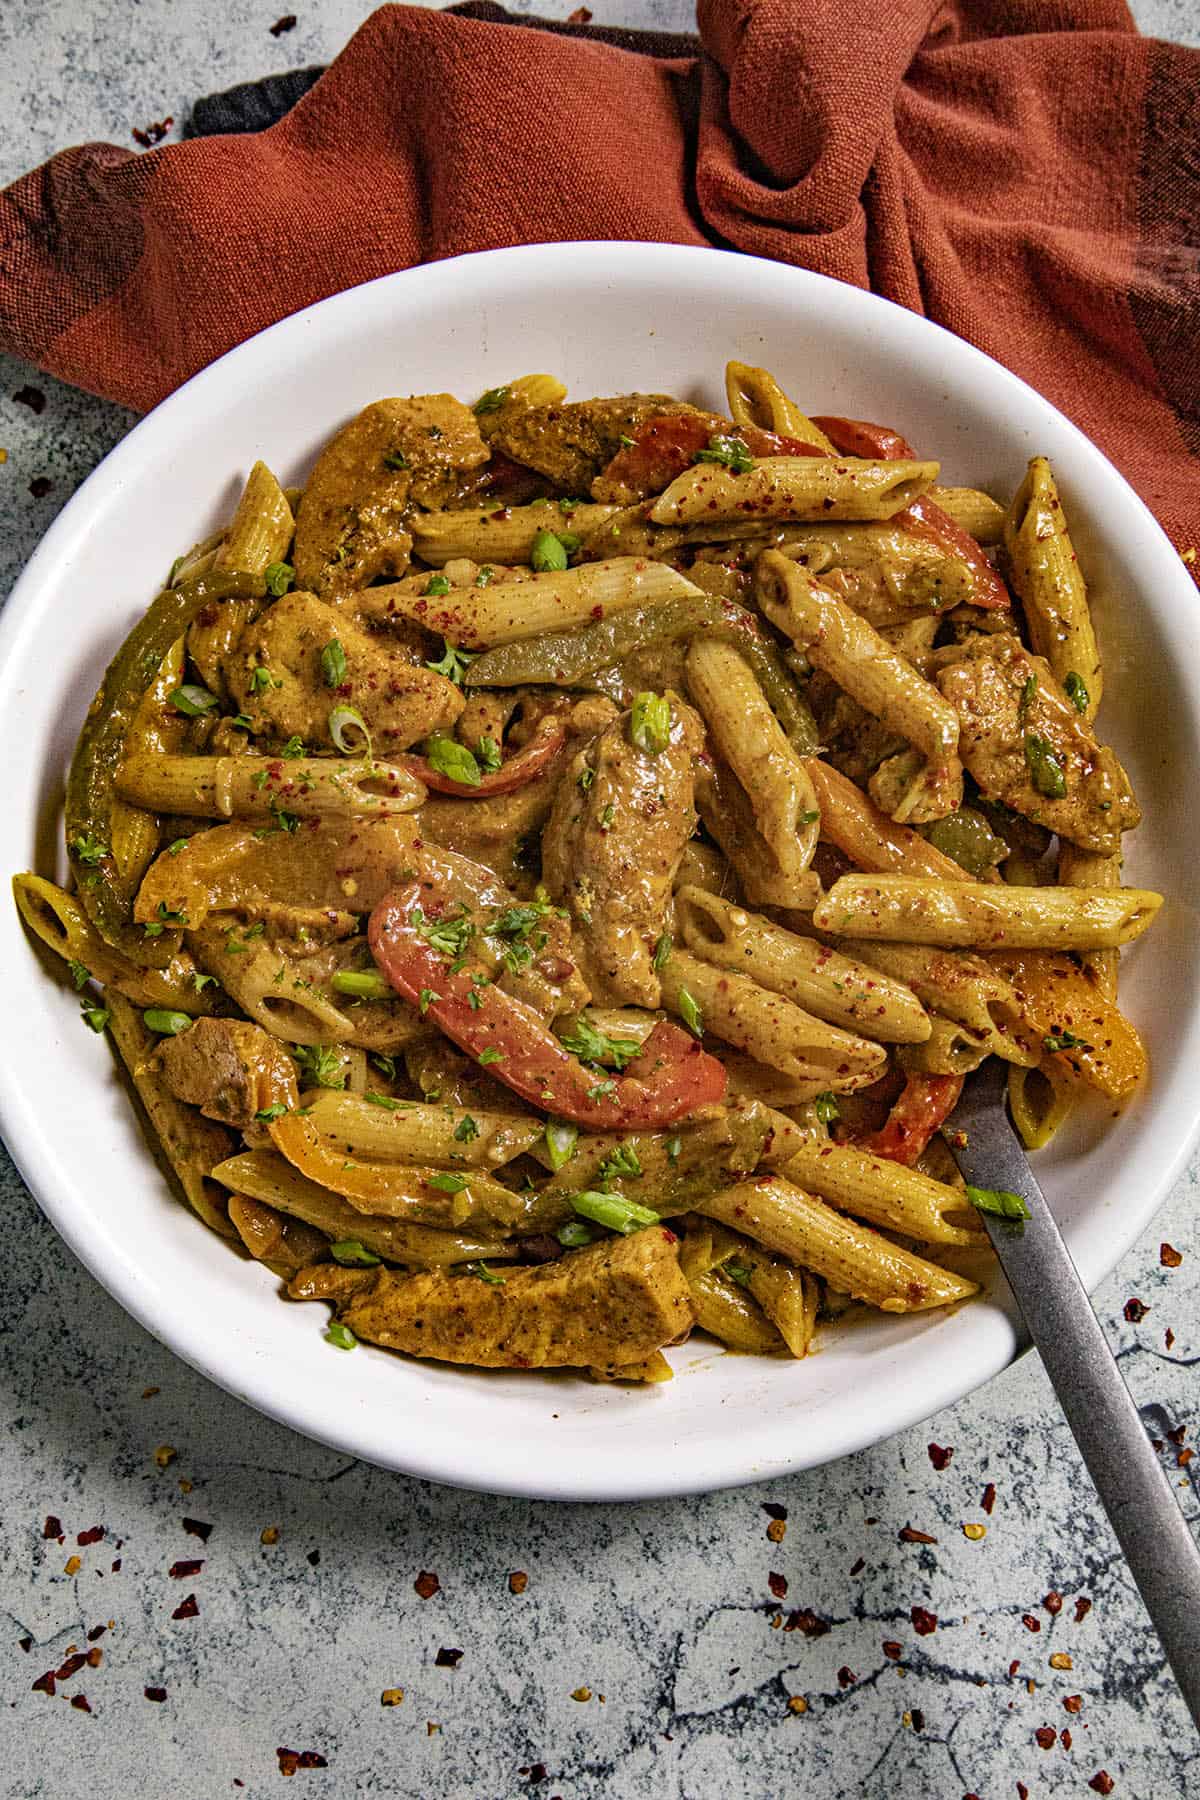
964,988
505,611
751,740
974,512
867,836
1092,869
838,988
156,729
787,1295
756,398
258,978
262,526
950,1049
58,920
793,487
771,1029
908,909
190,1145
883,1192
726,1311
1046,574
851,1258
502,535
852,652
729,817
257,787
407,1131
1040,1101
263,1176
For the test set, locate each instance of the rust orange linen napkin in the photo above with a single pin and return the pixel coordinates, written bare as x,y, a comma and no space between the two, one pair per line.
1026,172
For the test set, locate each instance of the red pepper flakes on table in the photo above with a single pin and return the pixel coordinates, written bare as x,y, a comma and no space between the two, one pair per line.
287,23
857,1567
447,1659
846,1676
45,1684
72,1565
774,1510
427,1584
1073,1703
1053,1602
1030,1622
923,1622
940,1456
31,397
70,1666
810,1623
1169,1256
155,1693
149,1393
179,1571
1135,1310
97,1631
891,1649
40,486
1046,1736
53,1528
1064,1738
989,1497
91,1536
187,1609
153,133
1169,1338
777,1584
26,1644
1022,1791
916,1718
908,1534
198,1528
1013,1666
1102,1782
291,1760
534,1772
80,1703
1083,1607
518,1581
116,1567
581,16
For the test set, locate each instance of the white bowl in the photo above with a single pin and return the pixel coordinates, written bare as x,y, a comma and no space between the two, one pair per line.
607,318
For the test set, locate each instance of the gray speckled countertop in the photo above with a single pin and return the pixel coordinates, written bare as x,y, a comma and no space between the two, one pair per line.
655,1651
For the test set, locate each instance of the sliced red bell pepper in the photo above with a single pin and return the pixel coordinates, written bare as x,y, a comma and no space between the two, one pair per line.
669,1078
529,762
924,518
666,445
926,1102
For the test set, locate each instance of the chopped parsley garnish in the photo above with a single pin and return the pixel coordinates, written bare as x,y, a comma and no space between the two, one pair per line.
607,816
438,585
453,663
94,1017
279,577
192,700
650,723
170,1024
482,1273
448,937
446,1183
267,1113
593,1046
487,754
1045,767
166,917
88,849
466,1131
485,575
585,778
602,1090
549,553
241,722
613,1211
623,1161
452,759
1075,689
1000,1202
340,1336
730,452
662,952
491,401
690,1013
827,1109
487,1057
739,1272
353,1255
333,664
321,1064
200,982
80,974
261,680
1064,1040
385,1064
293,748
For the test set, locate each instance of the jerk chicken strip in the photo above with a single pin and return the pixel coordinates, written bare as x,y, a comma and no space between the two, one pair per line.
394,455
615,1302
1027,746
611,849
570,443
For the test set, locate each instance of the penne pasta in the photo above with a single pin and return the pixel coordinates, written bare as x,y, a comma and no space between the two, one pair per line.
404,1131
974,512
1091,869
729,817
502,535
756,398
909,909
261,529
58,921
285,1245
884,1192
726,1311
851,821
793,487
852,1259
1040,1101
1046,574
255,787
963,988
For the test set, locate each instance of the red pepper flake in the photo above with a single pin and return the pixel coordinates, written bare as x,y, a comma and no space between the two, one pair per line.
1169,1338
989,1497
91,1536
26,1644
1083,1607
810,1623
1184,1458
917,1718
1135,1311
1022,1791
427,1584
71,1666
908,1534
116,1567
291,1760
535,1771
1102,1782
891,1649
447,1659
777,1584
153,133
1030,1622
774,1510
939,1456
180,1571
1168,1255
40,486
923,1622
31,397
97,1631
1178,1434
1046,1736
155,1693
187,1609
44,1684
1053,1602
858,1567
80,1703
1064,1738
53,1528
149,1393
1073,1703
846,1676
1013,1666
518,1581
198,1528
287,23
94,1658
581,16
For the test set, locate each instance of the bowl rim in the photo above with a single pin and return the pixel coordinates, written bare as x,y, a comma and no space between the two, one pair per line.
24,1133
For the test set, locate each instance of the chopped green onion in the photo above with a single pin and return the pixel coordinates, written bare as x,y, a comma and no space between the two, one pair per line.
362,984
561,1140
1064,1040
492,401
674,1147
320,1063
267,1113
395,459
348,718
453,663
662,951
437,586
730,452
1028,696
487,752
94,1017
650,723
340,1336
549,553
385,1064
176,846
80,974
481,1271
487,1057
575,1234
626,441
192,701
452,759
485,575
1045,767
169,1023
351,1254
333,663
826,1108
447,1183
1075,689
690,1013
279,577
613,1211
425,1000
383,1100
1000,1202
